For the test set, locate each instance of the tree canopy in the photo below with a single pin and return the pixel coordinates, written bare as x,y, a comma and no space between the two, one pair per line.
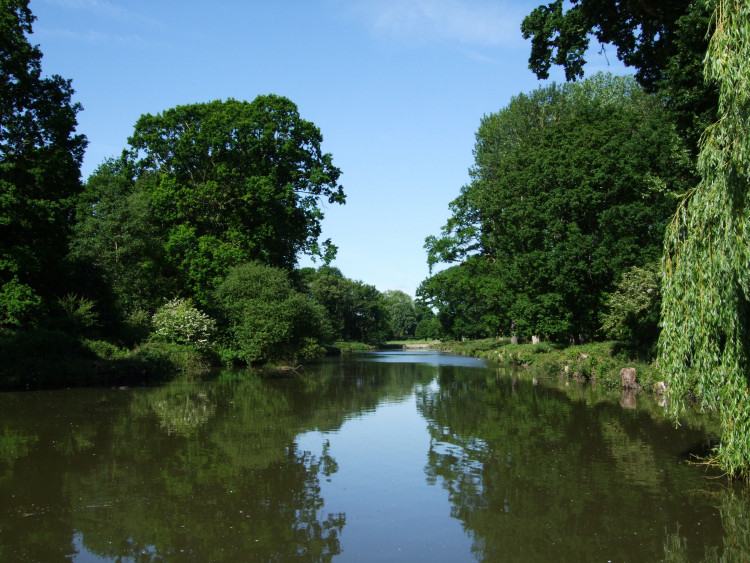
664,41
571,187
40,159
234,181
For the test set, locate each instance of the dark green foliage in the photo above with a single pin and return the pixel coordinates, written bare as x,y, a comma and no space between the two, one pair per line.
664,41
235,181
358,312
40,158
117,234
40,357
403,318
429,328
468,299
632,310
571,187
428,325
266,319
643,33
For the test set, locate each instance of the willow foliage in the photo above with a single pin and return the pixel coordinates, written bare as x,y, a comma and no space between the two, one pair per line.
704,346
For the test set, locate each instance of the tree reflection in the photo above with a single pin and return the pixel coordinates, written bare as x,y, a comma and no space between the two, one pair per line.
535,475
213,471
200,471
219,477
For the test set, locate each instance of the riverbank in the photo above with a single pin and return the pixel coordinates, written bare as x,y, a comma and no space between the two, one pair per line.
598,361
46,359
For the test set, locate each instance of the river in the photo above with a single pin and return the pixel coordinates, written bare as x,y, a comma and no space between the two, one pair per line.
385,456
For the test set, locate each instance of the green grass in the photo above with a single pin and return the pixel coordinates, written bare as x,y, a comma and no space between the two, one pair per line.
600,361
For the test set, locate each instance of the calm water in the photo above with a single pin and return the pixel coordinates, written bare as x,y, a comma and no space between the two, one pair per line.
386,456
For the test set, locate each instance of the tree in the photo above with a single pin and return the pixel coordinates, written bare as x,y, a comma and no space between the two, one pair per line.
572,186
235,181
357,311
116,232
632,311
663,40
466,298
330,288
403,319
40,159
704,347
266,319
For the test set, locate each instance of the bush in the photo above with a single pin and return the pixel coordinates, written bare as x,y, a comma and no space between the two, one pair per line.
39,358
266,319
179,322
76,315
161,357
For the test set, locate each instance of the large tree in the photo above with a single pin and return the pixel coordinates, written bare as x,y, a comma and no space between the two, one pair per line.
570,188
403,318
664,41
470,299
234,181
40,158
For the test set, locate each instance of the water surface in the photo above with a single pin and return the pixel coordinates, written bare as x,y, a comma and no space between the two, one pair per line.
391,456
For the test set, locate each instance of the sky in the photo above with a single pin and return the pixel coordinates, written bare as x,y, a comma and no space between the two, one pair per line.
397,88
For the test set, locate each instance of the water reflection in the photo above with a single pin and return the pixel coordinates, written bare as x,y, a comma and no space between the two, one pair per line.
535,475
435,455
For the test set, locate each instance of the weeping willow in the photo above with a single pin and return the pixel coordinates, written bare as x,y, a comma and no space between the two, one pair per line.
704,345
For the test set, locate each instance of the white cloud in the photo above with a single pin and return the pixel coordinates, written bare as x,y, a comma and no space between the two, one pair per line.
471,22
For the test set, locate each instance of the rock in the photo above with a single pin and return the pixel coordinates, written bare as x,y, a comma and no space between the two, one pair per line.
627,375
661,388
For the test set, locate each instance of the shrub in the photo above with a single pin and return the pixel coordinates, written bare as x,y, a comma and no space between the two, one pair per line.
178,321
77,315
161,357
267,319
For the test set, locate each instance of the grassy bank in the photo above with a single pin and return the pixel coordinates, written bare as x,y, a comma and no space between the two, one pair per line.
42,358
600,361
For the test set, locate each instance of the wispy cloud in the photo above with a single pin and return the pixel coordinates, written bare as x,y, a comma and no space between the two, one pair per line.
100,22
470,22
108,10
98,37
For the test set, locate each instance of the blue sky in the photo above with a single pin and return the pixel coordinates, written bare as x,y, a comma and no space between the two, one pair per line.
397,88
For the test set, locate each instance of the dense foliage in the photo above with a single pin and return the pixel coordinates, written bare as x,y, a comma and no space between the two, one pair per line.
235,181
210,200
705,344
40,158
180,252
571,187
266,318
664,41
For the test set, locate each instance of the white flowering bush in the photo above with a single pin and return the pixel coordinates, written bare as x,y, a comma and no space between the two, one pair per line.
179,321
